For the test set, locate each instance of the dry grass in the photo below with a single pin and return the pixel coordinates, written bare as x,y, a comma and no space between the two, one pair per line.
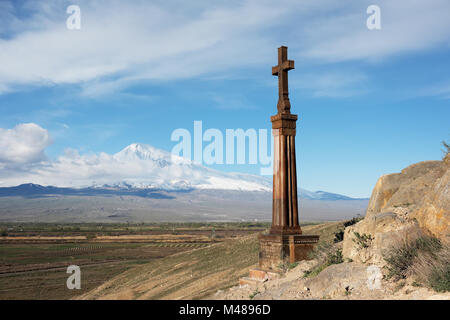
433,270
193,274
425,259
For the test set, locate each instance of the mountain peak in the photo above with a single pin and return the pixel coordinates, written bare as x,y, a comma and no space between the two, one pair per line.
142,166
143,152
138,147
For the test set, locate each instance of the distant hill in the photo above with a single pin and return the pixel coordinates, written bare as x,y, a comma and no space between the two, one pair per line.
31,190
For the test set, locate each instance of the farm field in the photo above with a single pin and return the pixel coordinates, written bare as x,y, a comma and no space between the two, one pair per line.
198,273
34,257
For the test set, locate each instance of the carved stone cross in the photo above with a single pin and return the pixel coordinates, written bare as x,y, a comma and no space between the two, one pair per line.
281,70
285,242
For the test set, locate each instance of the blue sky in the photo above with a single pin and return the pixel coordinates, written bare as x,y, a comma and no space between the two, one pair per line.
370,102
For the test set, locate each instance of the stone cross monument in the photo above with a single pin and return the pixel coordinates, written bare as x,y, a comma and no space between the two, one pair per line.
285,242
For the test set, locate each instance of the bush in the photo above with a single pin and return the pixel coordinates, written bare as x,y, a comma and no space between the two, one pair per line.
338,236
399,260
428,244
353,221
425,258
439,278
431,267
446,149
335,258
363,241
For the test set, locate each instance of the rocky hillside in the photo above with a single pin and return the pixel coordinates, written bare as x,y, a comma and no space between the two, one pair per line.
347,280
400,250
403,207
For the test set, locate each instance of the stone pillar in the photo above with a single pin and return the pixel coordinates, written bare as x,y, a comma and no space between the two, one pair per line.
284,243
284,205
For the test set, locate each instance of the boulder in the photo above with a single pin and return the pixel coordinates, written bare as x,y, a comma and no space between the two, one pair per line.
340,280
403,206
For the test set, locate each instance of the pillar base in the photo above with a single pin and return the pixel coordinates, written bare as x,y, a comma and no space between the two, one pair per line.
278,230
276,250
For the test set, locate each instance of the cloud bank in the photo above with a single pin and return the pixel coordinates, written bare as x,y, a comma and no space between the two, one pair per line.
123,42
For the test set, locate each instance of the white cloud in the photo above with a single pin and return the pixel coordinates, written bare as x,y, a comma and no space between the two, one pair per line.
333,84
121,43
23,144
406,26
135,41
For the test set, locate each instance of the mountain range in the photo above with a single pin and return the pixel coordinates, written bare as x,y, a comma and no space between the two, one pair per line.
124,189
143,170
143,183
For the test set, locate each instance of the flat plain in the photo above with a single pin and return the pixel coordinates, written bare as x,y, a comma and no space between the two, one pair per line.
34,257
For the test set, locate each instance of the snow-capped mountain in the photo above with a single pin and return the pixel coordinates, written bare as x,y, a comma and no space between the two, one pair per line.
141,167
155,168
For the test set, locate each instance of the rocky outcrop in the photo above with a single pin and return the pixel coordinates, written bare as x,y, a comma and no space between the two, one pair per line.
340,281
403,206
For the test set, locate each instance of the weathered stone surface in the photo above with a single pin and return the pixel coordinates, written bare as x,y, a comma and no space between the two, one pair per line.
385,229
434,213
402,206
338,279
404,189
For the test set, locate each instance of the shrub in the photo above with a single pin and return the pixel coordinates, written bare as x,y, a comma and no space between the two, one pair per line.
428,244
425,258
363,241
338,236
335,258
439,278
432,268
446,149
353,221
399,260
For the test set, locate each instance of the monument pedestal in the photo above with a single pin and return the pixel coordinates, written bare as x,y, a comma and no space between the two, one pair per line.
276,250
